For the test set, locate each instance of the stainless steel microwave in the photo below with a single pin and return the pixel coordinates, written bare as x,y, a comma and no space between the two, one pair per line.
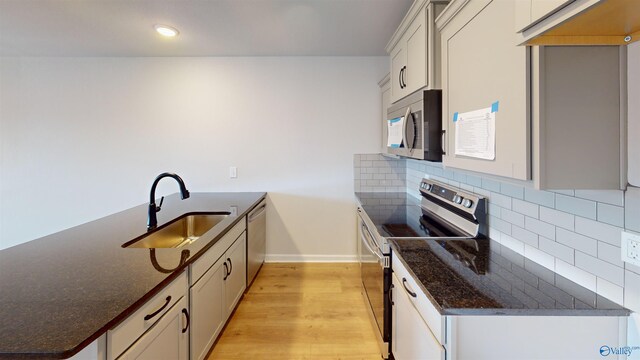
414,126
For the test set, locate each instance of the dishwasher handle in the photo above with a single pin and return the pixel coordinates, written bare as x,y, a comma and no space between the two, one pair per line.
257,212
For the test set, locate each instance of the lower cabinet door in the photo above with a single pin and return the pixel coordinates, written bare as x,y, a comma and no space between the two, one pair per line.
236,280
168,339
208,309
411,338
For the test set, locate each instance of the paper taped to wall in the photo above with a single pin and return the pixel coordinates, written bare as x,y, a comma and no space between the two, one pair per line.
476,133
394,132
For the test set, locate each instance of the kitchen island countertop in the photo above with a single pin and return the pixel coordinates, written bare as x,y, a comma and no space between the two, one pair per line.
61,292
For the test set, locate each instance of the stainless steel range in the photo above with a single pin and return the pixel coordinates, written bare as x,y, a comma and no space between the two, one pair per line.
441,212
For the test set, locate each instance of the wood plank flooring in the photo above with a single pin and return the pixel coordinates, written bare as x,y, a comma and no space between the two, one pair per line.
300,311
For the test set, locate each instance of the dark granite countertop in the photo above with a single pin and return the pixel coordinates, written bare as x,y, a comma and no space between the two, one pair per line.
61,292
500,282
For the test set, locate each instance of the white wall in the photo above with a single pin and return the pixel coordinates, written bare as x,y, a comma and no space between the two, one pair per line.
82,138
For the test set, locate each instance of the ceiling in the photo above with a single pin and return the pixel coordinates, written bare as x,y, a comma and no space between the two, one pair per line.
207,27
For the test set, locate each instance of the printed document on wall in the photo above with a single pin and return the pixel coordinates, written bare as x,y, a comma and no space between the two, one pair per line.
476,133
394,132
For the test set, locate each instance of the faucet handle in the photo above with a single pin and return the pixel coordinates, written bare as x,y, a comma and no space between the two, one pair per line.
159,207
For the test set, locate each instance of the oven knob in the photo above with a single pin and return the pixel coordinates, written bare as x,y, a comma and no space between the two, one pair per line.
427,186
467,203
457,199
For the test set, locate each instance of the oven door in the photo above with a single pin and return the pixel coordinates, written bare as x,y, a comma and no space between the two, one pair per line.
375,275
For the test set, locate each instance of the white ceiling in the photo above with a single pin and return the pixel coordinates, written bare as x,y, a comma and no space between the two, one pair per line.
207,27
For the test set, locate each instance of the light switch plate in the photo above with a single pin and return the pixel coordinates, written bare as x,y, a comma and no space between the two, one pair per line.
630,249
233,172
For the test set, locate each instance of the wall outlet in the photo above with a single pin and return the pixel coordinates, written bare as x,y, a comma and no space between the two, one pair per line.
233,172
630,249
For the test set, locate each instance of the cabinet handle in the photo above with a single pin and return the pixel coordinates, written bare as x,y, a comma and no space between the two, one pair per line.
404,280
444,138
186,315
404,70
400,77
230,266
390,295
149,316
226,271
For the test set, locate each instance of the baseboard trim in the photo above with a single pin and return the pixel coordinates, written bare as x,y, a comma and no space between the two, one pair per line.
279,258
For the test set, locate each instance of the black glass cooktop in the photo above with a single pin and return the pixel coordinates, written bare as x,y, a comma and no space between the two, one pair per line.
399,215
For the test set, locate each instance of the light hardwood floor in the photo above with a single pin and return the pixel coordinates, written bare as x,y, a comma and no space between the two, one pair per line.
300,311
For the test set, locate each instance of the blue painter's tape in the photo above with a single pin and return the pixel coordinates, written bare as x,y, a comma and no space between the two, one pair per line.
455,116
494,106
395,146
394,120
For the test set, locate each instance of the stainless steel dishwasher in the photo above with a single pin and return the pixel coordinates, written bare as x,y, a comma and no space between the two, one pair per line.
256,239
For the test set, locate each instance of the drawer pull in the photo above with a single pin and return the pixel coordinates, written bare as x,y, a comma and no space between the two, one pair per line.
226,271
186,315
149,316
404,280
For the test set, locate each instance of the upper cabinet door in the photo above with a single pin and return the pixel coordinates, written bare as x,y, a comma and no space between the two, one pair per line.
481,66
398,61
415,75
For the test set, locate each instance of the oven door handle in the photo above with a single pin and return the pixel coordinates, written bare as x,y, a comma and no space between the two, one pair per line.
368,244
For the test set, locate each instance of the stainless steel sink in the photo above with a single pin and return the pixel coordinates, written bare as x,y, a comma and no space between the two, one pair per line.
182,231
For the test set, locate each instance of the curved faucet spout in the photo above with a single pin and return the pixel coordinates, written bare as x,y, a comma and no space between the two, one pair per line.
152,220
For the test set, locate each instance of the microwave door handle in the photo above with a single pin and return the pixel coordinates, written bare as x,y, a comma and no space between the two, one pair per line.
442,144
407,115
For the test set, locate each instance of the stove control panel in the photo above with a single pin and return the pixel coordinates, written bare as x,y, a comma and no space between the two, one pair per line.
451,195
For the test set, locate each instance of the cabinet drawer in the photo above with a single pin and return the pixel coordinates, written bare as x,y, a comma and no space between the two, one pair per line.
123,335
427,311
216,251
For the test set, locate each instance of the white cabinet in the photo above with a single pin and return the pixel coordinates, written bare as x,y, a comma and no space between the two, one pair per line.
208,305
633,142
216,293
236,279
168,339
412,50
529,12
554,103
146,321
411,338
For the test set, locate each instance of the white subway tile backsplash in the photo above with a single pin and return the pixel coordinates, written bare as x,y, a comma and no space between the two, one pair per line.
490,185
525,208
540,228
540,257
460,177
558,218
564,192
577,275
539,197
480,191
474,181
512,217
632,209
600,268
577,241
597,230
610,254
503,226
556,249
513,244
495,210
613,197
609,290
514,191
611,214
632,291
500,200
524,235
581,207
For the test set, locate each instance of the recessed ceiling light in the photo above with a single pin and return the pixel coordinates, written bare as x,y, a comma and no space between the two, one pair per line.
166,30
